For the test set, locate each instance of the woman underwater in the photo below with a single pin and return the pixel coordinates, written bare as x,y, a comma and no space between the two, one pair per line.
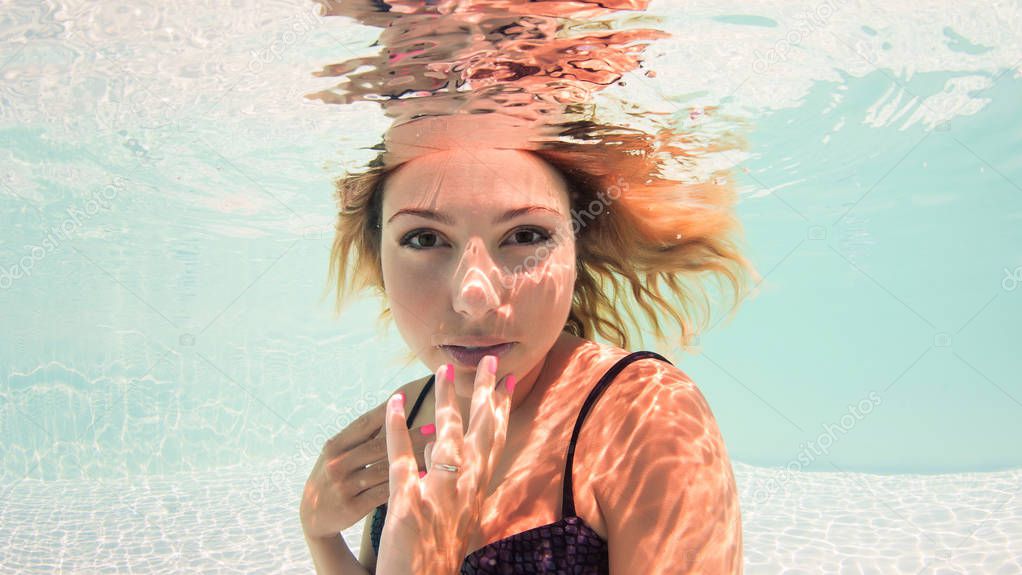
531,448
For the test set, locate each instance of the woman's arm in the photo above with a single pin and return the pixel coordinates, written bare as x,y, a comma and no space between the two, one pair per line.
331,556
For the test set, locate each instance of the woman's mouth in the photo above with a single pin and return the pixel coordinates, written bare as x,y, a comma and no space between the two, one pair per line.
471,356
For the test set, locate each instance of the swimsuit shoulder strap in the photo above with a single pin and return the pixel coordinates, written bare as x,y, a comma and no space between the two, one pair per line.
418,402
568,500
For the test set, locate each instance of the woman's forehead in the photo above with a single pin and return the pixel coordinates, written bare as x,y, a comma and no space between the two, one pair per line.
487,178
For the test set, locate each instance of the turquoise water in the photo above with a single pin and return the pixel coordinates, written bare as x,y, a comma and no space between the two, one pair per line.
168,371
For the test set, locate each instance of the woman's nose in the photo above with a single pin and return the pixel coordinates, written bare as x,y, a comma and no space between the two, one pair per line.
476,291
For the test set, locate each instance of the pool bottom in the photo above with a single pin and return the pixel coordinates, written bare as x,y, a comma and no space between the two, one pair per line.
245,520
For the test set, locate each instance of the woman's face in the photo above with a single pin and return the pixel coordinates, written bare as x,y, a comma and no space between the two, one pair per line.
477,249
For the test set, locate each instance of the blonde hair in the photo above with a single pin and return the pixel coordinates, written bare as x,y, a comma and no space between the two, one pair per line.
654,240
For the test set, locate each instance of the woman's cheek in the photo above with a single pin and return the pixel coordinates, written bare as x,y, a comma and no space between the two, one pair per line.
414,267
558,268
419,283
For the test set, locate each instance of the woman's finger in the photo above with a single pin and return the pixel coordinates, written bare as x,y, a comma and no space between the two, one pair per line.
364,428
403,468
501,417
374,450
450,437
487,422
361,480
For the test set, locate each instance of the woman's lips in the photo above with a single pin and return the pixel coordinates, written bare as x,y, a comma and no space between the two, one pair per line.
472,357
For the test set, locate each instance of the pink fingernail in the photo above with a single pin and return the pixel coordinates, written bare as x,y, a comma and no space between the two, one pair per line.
449,371
429,429
422,474
492,365
509,383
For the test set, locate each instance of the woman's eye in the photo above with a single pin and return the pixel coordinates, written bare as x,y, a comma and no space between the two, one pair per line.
407,240
523,234
427,239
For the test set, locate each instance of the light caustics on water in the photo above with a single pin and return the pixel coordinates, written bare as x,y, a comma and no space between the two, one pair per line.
537,65
528,59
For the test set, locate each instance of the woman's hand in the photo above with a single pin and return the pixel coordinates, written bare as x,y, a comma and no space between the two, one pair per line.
341,490
429,519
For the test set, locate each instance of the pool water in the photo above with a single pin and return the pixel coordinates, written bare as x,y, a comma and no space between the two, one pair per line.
169,369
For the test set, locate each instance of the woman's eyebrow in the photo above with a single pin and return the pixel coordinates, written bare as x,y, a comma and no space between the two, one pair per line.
446,219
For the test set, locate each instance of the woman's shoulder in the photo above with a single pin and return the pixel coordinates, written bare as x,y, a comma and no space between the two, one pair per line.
652,414
643,394
637,388
640,374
